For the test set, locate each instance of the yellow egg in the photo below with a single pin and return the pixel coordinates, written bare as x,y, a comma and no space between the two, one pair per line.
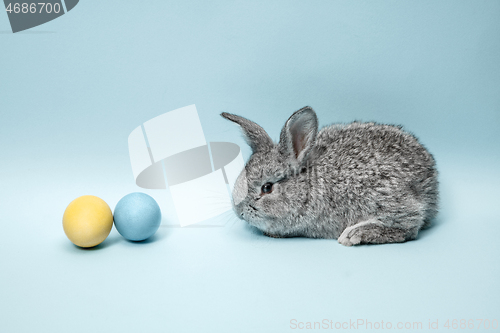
87,221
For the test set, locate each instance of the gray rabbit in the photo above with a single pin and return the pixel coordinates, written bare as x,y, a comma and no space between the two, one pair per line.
360,183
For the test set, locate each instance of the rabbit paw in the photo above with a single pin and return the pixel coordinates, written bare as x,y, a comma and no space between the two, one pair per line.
350,236
373,232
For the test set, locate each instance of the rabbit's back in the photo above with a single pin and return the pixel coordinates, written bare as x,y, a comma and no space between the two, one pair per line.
374,147
371,169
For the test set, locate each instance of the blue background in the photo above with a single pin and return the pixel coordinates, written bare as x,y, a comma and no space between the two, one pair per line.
73,89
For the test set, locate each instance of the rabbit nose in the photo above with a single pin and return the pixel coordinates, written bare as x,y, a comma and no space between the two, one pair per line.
240,190
240,214
238,211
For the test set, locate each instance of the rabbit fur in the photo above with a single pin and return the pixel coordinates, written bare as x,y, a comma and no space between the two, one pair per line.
360,183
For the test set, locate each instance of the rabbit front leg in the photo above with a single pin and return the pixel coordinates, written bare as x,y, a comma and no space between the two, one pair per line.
375,232
271,235
274,235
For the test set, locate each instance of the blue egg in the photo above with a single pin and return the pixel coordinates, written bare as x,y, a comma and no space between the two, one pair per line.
137,216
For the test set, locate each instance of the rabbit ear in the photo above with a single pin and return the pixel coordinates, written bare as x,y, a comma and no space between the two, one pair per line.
299,134
255,135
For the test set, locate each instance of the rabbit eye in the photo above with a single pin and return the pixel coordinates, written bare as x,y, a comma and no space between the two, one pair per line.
267,188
